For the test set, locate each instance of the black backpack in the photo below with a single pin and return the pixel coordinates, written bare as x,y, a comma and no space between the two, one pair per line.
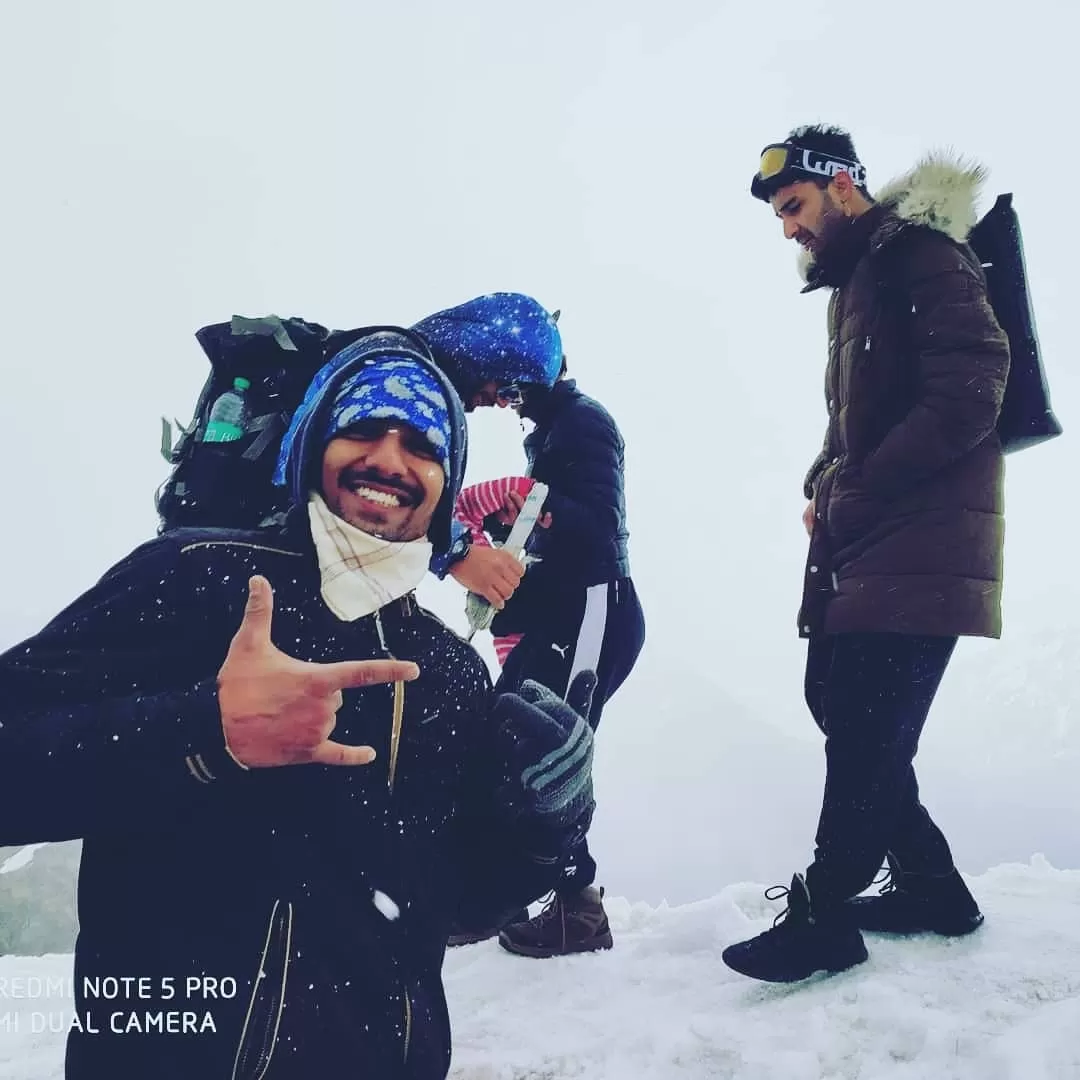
1026,415
230,484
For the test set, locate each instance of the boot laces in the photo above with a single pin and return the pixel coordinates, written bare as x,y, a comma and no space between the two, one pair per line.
778,892
551,910
887,880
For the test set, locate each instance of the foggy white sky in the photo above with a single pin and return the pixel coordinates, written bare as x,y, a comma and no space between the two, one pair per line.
168,165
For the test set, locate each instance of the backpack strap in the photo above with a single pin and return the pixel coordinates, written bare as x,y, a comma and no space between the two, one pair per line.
270,426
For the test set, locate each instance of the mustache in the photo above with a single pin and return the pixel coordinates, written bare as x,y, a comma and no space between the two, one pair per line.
353,477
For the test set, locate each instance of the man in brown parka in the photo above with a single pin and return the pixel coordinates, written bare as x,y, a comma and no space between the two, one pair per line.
906,528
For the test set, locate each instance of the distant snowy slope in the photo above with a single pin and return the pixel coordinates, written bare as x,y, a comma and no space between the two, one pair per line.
1018,700
1001,752
37,899
695,791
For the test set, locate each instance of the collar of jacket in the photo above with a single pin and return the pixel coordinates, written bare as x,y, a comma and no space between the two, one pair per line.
543,406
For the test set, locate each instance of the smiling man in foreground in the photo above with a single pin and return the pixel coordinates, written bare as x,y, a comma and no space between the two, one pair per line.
290,780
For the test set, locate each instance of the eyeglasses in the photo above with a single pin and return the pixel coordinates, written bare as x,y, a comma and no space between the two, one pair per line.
511,394
782,159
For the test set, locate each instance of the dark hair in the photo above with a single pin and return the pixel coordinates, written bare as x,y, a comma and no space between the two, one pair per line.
830,140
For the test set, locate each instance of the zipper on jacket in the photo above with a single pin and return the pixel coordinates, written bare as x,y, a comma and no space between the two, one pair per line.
263,1036
238,543
395,745
408,1023
399,710
395,731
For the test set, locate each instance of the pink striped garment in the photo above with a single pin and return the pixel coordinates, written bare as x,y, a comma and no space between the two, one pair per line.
473,505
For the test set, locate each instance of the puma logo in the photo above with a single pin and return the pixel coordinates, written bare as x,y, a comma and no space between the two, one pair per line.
560,649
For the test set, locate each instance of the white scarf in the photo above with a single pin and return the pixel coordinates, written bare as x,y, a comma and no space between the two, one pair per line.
360,572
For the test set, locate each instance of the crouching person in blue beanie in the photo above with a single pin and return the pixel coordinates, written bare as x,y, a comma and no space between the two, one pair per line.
290,779
576,608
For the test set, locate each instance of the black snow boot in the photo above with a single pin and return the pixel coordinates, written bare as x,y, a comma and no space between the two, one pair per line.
918,904
574,923
458,936
800,943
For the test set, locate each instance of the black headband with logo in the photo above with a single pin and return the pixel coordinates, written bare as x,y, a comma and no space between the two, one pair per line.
785,163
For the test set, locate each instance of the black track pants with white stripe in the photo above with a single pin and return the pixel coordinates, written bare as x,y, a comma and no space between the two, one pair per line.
604,632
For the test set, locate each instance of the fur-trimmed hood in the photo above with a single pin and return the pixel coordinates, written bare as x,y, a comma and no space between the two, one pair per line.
941,192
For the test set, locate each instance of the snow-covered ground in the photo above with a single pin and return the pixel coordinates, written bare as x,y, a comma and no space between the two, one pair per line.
1003,1004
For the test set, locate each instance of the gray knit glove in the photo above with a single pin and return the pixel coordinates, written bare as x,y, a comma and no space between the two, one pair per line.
546,746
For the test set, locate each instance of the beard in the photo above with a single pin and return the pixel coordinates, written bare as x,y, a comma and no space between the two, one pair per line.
816,248
831,224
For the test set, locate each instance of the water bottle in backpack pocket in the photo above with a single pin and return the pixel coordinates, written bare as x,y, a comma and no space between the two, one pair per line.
229,416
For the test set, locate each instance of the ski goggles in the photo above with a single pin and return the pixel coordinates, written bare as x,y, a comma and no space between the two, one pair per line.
784,163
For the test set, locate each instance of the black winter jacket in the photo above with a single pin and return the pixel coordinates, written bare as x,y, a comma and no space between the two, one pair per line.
335,885
577,450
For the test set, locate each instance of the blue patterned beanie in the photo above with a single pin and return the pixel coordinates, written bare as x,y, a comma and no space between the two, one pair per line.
394,389
389,387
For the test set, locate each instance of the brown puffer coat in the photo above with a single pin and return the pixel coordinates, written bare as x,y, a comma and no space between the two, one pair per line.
908,488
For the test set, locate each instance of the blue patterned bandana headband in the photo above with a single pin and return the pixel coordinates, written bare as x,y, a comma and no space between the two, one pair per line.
394,389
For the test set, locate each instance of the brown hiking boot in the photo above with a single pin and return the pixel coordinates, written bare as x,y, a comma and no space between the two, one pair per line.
575,923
